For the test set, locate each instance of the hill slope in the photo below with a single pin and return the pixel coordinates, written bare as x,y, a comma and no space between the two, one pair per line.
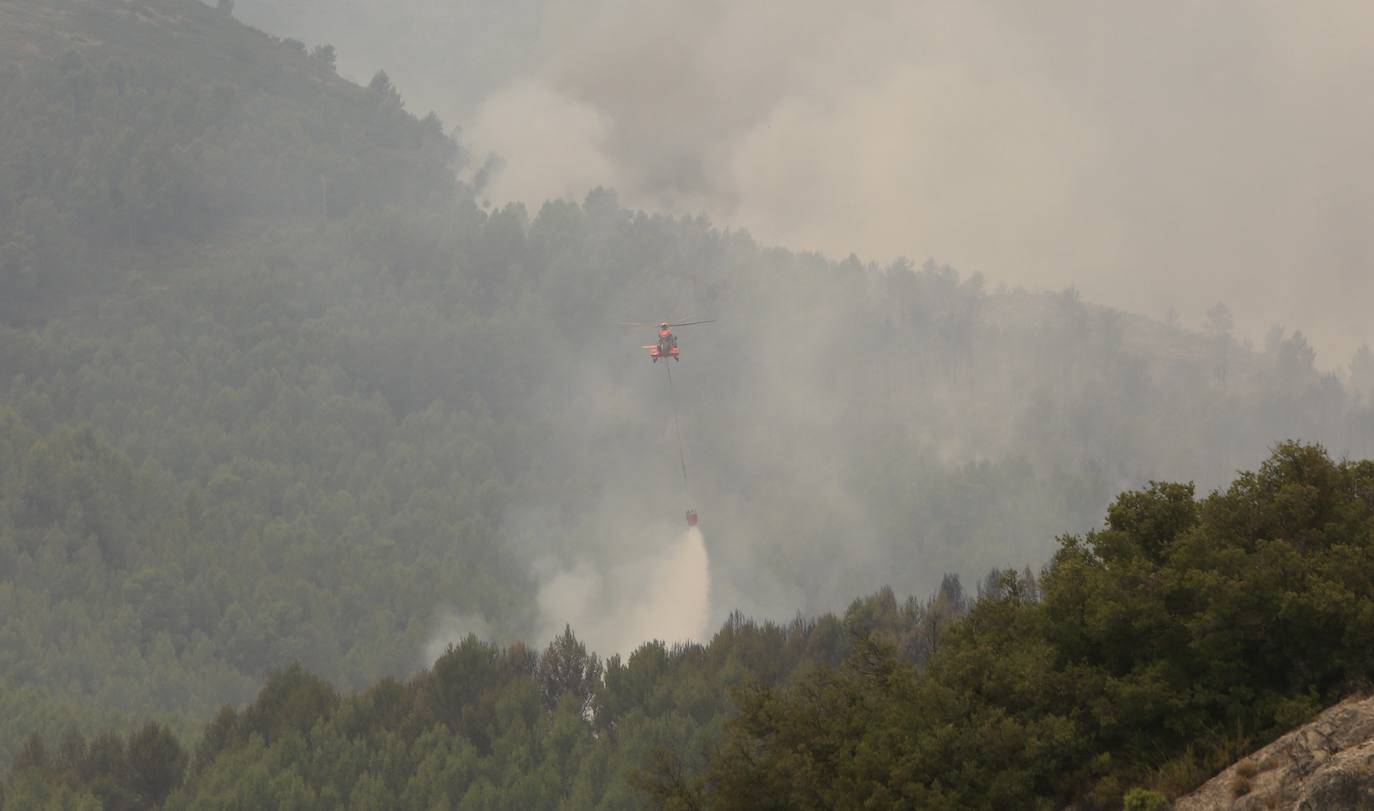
1146,656
243,434
132,123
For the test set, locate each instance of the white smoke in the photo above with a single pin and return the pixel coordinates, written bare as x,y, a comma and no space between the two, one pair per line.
451,628
1154,156
664,596
560,143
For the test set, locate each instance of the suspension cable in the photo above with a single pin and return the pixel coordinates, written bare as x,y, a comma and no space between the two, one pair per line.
677,429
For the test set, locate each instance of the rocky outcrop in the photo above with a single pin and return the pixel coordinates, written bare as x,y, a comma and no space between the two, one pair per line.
1326,765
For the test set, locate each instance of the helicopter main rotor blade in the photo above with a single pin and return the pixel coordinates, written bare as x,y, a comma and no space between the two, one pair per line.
693,323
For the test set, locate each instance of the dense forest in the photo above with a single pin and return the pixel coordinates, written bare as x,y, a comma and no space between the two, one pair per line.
1147,655
275,388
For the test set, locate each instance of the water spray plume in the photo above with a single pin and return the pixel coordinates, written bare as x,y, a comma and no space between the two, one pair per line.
667,597
679,610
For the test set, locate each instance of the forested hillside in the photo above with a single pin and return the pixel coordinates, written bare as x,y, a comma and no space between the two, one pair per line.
275,388
1148,655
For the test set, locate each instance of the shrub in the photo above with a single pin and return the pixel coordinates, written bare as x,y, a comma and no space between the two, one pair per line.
1143,799
1240,786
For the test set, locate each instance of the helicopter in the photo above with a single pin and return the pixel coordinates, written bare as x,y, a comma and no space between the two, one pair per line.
667,342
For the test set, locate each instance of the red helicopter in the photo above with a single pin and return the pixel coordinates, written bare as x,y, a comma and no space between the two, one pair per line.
667,341
667,348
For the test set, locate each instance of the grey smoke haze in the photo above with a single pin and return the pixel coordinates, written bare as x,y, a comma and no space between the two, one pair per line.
447,55
1158,157
450,628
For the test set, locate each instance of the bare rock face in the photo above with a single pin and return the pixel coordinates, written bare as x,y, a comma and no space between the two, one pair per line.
1327,765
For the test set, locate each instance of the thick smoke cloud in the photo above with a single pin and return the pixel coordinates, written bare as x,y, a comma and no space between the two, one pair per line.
1157,157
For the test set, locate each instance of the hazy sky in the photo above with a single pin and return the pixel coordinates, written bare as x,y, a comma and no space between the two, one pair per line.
1155,156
